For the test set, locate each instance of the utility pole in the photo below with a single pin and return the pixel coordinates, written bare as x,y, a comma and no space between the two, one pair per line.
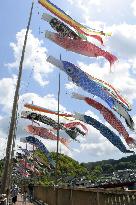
13,117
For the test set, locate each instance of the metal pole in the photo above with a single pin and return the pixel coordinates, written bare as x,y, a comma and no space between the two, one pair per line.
12,153
33,165
57,153
9,180
56,168
33,174
13,118
25,181
26,158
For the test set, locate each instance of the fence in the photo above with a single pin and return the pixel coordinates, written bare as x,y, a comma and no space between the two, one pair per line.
83,196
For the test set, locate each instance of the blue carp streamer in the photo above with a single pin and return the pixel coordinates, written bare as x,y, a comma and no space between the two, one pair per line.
41,146
81,79
105,131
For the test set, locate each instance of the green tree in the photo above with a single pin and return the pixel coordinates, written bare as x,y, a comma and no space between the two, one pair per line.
107,169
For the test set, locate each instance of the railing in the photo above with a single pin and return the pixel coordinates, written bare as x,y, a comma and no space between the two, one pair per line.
83,196
3,199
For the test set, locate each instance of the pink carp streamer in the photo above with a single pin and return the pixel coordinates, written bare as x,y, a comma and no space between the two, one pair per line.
109,117
80,46
24,173
45,133
73,124
27,165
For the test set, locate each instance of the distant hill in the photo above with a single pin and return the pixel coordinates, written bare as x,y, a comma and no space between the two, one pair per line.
93,171
69,168
111,165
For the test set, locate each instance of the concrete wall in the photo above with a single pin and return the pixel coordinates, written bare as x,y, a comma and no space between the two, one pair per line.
67,196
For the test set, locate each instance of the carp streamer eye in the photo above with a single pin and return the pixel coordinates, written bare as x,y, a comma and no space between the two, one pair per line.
69,70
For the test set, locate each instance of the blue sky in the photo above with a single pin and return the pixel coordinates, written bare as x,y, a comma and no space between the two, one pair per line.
40,79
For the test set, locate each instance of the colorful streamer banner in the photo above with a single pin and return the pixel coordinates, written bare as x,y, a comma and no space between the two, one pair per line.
81,79
109,117
22,172
65,31
82,47
41,146
45,133
73,124
26,152
105,131
67,19
45,110
27,165
112,91
73,132
60,27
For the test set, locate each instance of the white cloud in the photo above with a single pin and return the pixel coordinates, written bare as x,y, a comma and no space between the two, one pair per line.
91,3
133,5
4,126
97,149
7,88
47,101
71,86
85,5
123,40
102,10
90,113
2,146
95,14
35,56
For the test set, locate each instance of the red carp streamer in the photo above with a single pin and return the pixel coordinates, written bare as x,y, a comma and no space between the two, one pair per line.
45,133
73,124
81,47
109,117
27,165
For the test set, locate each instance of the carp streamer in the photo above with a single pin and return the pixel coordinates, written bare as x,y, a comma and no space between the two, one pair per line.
67,19
79,46
45,133
34,141
109,117
81,79
105,131
73,132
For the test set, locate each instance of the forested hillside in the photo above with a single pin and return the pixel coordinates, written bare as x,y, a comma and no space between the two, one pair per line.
68,168
111,165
